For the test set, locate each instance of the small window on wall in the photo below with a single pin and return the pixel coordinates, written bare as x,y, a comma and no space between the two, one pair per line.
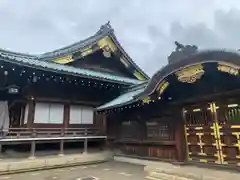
75,115
87,115
160,131
56,112
46,113
81,115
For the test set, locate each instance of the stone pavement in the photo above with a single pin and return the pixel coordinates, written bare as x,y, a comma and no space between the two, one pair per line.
103,171
166,171
45,162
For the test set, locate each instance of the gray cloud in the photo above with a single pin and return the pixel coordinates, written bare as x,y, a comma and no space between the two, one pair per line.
145,29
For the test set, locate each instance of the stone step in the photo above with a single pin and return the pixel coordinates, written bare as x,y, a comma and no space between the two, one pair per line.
154,173
161,176
169,174
152,178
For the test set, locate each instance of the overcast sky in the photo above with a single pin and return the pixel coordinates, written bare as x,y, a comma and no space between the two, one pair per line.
146,29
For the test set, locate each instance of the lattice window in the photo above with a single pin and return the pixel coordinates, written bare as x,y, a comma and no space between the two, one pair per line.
159,131
229,113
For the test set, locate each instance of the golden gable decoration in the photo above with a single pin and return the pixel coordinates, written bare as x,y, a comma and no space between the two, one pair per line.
162,87
229,68
139,76
86,51
107,45
190,74
107,42
146,100
64,60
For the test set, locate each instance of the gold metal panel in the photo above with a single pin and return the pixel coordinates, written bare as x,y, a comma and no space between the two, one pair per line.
198,128
64,60
139,75
87,51
107,41
203,160
190,74
146,100
162,87
229,68
236,126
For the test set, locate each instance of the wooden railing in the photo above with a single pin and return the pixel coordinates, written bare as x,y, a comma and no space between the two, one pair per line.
17,133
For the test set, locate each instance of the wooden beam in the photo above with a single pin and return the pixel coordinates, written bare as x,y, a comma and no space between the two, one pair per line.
206,97
58,100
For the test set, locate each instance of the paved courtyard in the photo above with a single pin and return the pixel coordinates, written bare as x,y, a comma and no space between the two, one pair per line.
104,171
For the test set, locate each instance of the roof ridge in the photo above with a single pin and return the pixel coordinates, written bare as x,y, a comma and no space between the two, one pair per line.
17,53
103,31
105,27
114,38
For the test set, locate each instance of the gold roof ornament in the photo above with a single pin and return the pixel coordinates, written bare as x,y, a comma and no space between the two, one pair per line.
190,74
162,87
139,76
106,52
64,60
107,42
229,68
146,100
181,51
86,51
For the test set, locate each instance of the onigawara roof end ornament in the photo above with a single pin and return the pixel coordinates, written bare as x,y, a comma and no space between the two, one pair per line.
181,51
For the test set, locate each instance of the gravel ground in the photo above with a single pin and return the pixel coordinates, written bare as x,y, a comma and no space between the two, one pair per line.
104,171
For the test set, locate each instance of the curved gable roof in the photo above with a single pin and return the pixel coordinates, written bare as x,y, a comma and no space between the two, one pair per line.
222,56
105,31
141,91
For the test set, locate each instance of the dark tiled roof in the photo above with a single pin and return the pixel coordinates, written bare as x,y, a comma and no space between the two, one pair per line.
42,59
105,30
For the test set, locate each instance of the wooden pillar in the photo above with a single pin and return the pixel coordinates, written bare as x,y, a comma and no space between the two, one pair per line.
85,142
100,122
23,109
33,149
66,116
61,153
33,145
1,149
180,139
31,111
104,123
85,146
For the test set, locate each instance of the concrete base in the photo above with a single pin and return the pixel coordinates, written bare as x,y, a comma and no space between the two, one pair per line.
48,162
31,157
157,170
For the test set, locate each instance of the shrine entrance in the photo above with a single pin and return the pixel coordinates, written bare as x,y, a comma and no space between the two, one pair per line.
212,133
206,86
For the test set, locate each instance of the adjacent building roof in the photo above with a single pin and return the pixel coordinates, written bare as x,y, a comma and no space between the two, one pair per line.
127,97
31,61
105,31
46,60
